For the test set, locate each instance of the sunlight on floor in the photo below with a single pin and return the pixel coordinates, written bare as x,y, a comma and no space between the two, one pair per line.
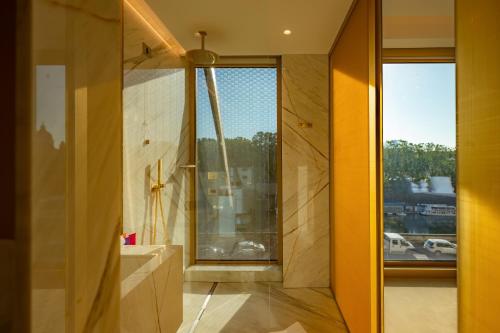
420,306
260,308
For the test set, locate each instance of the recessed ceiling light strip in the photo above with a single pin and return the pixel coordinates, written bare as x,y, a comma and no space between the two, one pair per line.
149,25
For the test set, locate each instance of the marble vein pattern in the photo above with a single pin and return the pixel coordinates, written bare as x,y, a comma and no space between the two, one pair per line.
305,140
156,126
264,307
151,298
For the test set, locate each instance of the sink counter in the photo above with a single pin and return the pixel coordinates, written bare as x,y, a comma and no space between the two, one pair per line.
151,288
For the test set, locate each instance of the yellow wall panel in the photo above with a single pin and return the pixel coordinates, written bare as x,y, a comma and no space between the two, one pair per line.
478,97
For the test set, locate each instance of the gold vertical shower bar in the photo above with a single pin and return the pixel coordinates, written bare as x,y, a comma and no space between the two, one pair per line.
156,191
160,167
158,202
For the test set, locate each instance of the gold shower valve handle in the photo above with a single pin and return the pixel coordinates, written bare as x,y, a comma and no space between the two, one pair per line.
188,166
157,187
305,124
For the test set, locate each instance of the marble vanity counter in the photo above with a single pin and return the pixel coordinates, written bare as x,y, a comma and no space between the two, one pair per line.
151,288
138,261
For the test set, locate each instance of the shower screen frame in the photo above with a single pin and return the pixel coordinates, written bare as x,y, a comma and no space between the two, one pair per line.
235,62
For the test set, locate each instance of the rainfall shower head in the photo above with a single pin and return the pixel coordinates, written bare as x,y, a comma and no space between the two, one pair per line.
202,56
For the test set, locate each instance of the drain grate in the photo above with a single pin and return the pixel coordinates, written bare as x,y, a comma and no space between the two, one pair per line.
203,308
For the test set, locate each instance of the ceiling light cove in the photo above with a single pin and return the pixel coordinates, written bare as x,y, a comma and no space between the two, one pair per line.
234,31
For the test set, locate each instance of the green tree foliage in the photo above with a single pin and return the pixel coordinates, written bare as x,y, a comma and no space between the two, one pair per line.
258,153
414,162
406,162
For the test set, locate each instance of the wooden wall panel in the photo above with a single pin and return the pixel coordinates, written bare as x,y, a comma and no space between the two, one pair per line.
354,269
478,103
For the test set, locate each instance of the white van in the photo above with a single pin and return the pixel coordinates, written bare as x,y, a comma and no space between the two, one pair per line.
440,246
396,244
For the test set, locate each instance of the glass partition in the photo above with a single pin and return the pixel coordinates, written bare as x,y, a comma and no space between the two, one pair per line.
236,145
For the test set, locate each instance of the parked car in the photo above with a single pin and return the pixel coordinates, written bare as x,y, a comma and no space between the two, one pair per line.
211,252
440,246
248,249
396,244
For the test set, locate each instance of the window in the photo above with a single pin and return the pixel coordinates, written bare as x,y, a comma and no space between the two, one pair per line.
419,158
236,153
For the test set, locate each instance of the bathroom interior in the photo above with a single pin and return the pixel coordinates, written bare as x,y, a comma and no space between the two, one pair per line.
187,172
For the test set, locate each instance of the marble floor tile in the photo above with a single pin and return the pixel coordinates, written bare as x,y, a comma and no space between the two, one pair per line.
265,307
195,294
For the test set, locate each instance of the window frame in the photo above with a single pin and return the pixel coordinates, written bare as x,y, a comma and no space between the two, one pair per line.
414,268
236,62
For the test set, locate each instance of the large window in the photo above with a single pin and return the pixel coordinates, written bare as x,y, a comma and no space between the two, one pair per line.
236,148
419,161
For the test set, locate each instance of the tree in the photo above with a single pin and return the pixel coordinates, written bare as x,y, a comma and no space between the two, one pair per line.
258,153
404,161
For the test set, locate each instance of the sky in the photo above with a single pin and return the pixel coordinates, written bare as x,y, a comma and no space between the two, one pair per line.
419,103
248,102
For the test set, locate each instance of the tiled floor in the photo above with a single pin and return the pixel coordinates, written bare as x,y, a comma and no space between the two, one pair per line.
260,307
414,306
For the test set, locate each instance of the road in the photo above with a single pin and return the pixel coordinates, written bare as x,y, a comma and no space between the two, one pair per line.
420,254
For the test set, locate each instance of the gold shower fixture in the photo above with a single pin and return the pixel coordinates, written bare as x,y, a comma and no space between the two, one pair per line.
158,203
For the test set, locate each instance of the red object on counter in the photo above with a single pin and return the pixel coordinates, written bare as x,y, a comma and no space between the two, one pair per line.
131,239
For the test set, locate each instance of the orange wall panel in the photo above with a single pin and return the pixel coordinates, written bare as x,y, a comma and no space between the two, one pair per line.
353,196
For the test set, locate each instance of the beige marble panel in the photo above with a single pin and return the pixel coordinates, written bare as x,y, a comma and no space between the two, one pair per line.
156,126
152,290
268,307
77,170
47,306
49,167
165,50
305,171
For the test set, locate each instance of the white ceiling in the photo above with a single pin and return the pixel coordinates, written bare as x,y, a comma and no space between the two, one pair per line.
418,23
254,27
418,7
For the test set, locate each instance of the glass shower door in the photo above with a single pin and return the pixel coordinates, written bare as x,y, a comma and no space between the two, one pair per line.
236,145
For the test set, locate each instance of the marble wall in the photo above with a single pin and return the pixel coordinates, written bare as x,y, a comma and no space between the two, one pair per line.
76,165
305,140
155,127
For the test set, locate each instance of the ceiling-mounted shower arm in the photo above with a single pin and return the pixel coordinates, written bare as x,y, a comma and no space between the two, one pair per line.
201,56
202,34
